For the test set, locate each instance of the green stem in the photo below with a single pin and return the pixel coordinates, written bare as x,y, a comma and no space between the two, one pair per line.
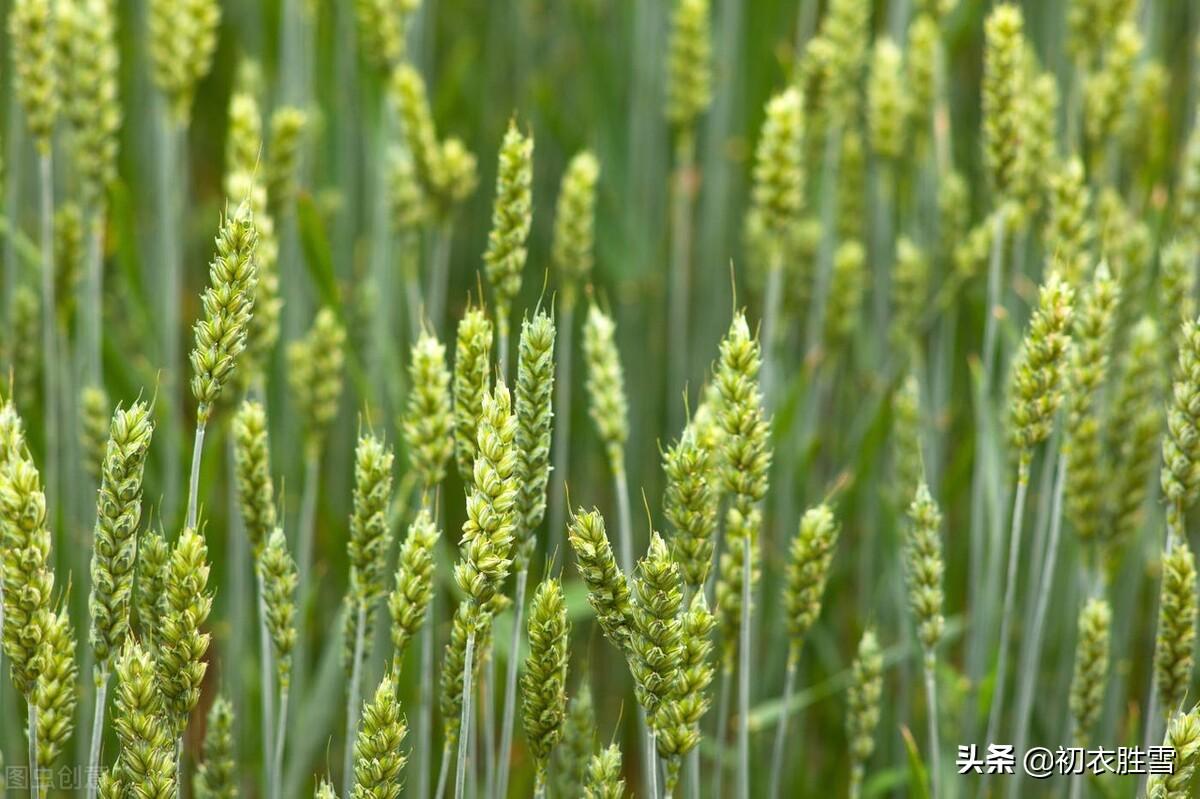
32,735
1010,586
681,277
722,726
194,476
425,708
994,281
562,421
443,773
94,313
439,274
267,683
360,623
539,785
814,335
789,682
487,722
280,740
179,767
502,314
50,421
510,685
1032,649
464,726
771,312
101,677
856,778
935,745
744,672
171,203
624,529
651,761
304,552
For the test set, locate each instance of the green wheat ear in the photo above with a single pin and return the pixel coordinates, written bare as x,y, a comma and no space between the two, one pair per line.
534,409
603,780
25,564
277,570
472,370
56,693
811,555
1183,736
118,516
575,750
252,473
690,504
1037,370
1087,371
183,38
574,223
414,583
1003,90
657,631
608,591
151,579
544,682
512,215
185,606
1181,445
324,790
847,30
608,406
887,101
147,754
382,26
864,695
920,76
35,59
228,306
1174,651
94,411
315,365
378,761
1091,668
1069,231
778,194
926,568
488,532
288,125
370,539
93,107
429,421
689,63
216,775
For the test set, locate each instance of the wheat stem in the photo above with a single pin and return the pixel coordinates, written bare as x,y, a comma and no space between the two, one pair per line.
562,422
33,749
789,681
101,676
994,279
267,680
1010,585
360,624
93,306
49,314
651,762
625,525
425,707
682,201
771,310
439,274
510,684
829,194
194,477
179,767
464,728
443,772
1031,651
744,674
169,252
935,746
722,726
280,740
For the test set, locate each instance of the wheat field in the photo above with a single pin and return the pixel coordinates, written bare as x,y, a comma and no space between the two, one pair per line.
704,398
